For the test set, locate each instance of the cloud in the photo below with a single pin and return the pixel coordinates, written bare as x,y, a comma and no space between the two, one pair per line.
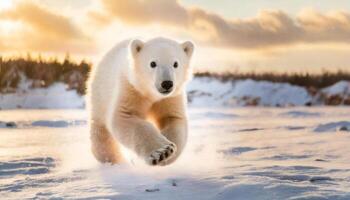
143,12
333,26
268,29
25,41
42,29
98,18
43,20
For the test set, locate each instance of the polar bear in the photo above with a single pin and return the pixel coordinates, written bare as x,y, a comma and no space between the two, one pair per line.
137,99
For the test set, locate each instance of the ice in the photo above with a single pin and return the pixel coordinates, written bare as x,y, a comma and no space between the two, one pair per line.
240,153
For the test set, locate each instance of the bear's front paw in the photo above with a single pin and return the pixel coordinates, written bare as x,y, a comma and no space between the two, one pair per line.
162,155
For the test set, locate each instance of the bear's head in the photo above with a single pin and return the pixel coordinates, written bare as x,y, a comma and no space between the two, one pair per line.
160,67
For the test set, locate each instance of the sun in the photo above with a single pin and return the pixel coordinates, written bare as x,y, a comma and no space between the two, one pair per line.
5,4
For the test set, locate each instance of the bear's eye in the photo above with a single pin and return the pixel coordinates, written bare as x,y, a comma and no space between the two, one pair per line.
176,64
153,64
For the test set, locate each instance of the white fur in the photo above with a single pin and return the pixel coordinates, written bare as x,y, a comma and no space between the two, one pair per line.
124,97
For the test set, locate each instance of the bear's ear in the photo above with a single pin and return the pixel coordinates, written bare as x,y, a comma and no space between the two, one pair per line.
136,46
188,48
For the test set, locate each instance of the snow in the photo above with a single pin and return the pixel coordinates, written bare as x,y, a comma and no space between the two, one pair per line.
340,88
301,114
241,153
55,96
46,123
213,92
209,91
271,94
202,92
333,126
206,91
7,124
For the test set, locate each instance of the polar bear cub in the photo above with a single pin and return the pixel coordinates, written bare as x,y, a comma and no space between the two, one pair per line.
137,99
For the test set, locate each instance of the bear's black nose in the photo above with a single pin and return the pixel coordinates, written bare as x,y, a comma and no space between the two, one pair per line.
167,85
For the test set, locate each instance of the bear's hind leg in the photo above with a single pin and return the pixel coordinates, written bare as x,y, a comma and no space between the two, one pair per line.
104,146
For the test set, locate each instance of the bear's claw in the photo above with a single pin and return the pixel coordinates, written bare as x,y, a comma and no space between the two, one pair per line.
162,155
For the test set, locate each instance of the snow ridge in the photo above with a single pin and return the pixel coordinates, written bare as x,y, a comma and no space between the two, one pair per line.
202,92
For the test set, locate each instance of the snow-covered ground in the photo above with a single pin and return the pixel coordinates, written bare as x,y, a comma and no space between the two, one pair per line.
206,91
202,92
242,153
55,96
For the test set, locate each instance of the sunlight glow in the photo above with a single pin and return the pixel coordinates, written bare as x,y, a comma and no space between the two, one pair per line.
7,26
5,4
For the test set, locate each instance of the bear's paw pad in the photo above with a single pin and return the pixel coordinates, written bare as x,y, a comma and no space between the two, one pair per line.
162,155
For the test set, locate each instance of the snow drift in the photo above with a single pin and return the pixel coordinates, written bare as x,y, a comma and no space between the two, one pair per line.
55,96
202,92
208,91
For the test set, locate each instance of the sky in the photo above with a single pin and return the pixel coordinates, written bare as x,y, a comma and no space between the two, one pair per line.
230,36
